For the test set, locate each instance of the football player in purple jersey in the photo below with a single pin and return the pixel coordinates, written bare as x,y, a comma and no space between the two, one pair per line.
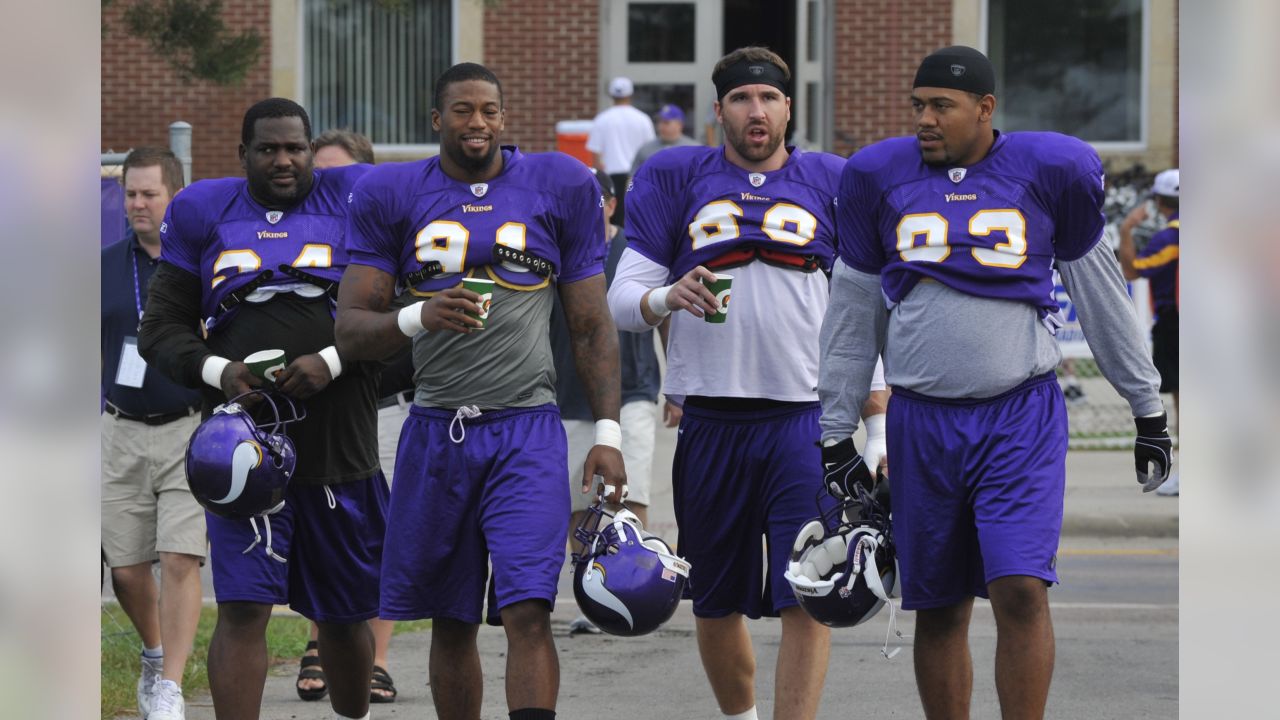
481,472
947,244
253,264
746,463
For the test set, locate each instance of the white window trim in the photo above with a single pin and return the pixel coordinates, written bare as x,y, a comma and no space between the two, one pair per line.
422,149
1144,101
399,150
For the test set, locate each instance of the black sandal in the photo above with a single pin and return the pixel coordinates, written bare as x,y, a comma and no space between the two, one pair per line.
309,669
382,681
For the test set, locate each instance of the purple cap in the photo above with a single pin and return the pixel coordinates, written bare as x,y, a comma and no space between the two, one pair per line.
671,112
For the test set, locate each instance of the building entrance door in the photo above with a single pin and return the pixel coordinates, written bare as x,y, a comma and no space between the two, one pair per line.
668,50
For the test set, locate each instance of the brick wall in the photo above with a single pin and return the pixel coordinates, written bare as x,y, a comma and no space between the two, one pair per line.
547,56
141,95
879,45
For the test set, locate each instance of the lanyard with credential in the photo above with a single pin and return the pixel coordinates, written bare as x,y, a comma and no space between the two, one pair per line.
137,290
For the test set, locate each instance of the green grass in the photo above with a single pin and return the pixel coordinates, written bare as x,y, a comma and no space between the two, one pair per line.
286,639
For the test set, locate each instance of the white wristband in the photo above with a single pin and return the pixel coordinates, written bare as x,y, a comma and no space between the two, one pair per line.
658,301
330,356
875,449
875,427
211,370
410,319
609,433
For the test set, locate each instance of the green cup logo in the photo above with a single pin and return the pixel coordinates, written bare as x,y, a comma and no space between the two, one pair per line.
266,364
720,287
483,288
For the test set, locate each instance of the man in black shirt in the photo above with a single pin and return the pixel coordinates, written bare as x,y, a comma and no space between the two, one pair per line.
220,238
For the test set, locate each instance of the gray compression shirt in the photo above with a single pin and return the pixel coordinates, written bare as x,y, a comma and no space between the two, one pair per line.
508,364
946,344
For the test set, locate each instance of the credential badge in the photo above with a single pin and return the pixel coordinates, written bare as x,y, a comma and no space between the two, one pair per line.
274,216
957,174
757,179
479,189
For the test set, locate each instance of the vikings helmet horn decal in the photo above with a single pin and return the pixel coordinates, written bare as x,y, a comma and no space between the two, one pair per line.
247,456
626,581
238,467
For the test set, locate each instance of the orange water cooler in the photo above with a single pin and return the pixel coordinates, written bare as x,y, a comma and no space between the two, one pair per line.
571,139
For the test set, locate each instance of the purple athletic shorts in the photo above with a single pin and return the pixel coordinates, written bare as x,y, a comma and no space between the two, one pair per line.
977,489
499,495
333,553
738,476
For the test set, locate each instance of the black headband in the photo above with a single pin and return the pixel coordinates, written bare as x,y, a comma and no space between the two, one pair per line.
958,68
749,72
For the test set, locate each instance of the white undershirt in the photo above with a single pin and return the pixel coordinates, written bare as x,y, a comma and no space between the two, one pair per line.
766,348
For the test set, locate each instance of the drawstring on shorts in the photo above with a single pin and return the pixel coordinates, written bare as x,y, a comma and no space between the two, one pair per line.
466,412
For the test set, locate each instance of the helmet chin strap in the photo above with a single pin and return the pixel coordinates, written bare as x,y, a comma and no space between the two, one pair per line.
266,520
864,564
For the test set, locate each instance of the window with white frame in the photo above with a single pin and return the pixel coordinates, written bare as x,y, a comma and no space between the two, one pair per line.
1073,67
370,66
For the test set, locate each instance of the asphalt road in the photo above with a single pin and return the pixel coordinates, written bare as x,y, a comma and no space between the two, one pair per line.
1116,620
1115,615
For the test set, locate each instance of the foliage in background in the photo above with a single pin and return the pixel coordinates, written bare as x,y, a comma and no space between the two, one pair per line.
191,36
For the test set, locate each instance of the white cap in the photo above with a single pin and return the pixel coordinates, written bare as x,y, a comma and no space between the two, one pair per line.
621,87
1166,183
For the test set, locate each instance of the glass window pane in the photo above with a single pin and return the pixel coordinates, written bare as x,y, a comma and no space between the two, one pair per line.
370,66
660,32
1074,67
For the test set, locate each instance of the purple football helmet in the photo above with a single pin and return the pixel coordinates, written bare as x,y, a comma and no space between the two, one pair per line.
626,581
237,468
843,566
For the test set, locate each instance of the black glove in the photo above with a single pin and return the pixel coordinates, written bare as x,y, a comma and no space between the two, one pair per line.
843,468
1152,446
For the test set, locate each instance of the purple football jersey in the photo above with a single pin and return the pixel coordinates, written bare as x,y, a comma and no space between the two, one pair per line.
404,215
214,229
689,205
991,230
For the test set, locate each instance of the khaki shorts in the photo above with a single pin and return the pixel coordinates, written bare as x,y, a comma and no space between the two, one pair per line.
146,506
390,421
639,421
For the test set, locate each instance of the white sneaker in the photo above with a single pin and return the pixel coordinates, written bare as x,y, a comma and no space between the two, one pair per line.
581,624
167,702
1169,487
151,671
